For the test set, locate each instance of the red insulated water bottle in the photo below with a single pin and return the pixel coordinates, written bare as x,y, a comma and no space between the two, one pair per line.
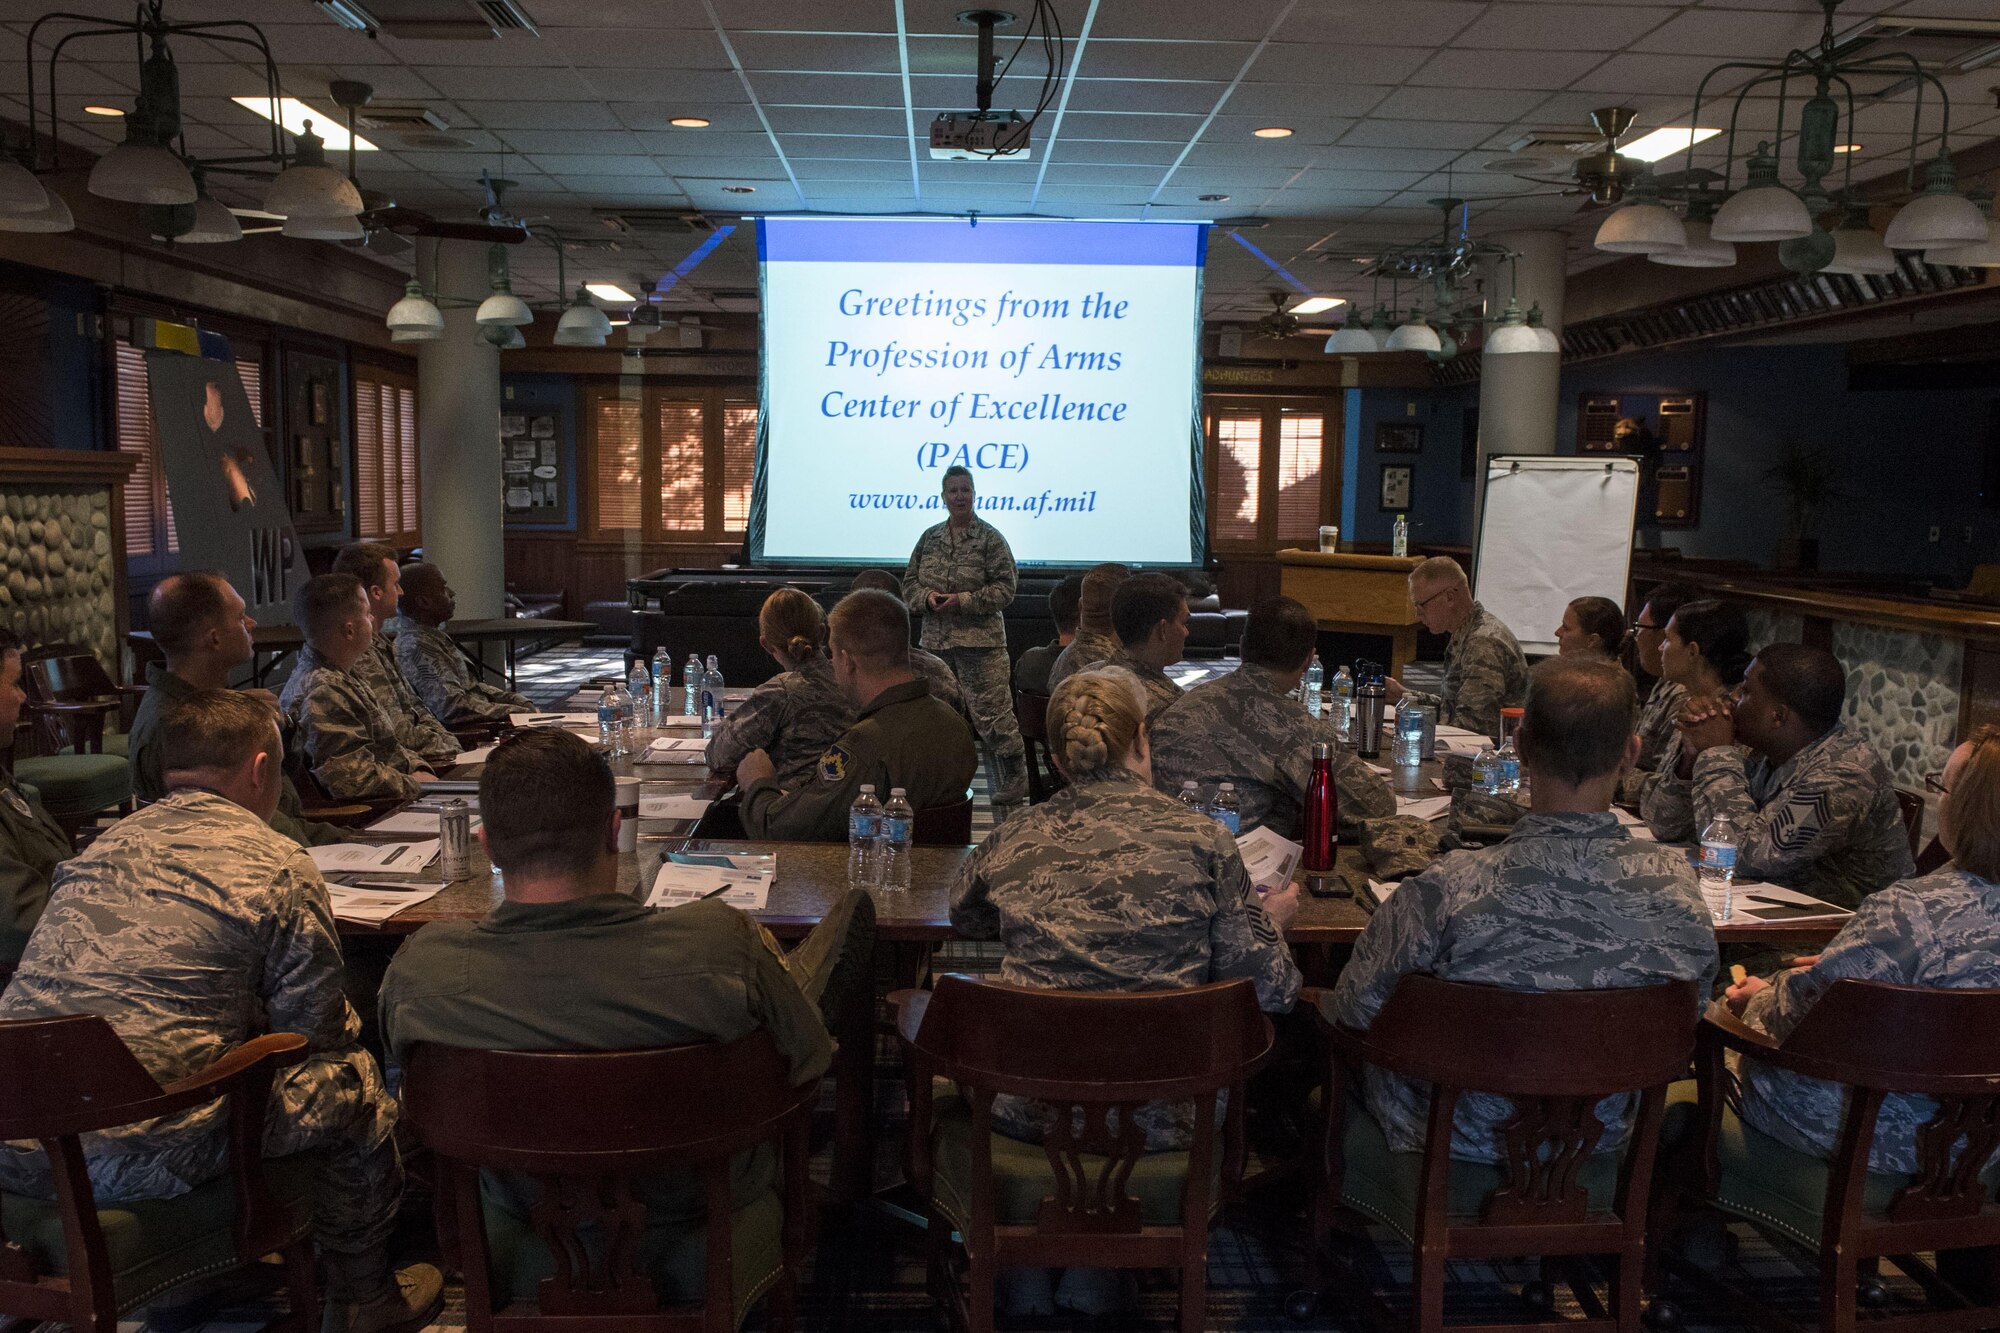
1322,813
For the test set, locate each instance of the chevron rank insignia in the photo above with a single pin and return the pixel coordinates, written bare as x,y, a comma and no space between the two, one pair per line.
1800,820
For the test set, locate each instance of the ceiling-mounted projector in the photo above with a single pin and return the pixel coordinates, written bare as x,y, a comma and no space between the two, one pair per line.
971,136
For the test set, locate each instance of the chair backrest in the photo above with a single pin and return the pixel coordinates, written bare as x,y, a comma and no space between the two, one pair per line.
65,673
71,1075
586,1125
1911,807
943,825
1031,711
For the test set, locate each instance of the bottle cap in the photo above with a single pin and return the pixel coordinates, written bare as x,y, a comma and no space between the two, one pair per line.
868,788
1322,750
1227,786
896,791
1189,785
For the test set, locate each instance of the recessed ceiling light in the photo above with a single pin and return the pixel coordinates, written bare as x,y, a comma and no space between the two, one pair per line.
689,122
1312,305
609,291
102,111
1847,148
1665,142
1213,198
739,189
293,115
1274,132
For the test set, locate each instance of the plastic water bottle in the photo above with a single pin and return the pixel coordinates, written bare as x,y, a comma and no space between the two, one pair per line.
899,823
619,706
1486,771
1224,810
1315,682
663,682
607,721
691,686
1717,868
640,686
1399,536
1407,749
1343,699
1510,766
864,837
1191,796
711,696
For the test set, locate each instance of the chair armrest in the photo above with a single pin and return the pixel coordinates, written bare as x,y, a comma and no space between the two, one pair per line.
72,708
910,1007
260,1223
280,1048
1720,1024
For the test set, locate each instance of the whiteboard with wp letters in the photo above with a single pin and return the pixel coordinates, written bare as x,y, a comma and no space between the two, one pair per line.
1551,530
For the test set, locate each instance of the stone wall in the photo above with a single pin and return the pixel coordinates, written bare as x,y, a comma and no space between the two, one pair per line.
1768,626
57,580
1902,692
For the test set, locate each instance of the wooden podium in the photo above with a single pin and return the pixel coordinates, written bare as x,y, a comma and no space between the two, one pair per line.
1356,594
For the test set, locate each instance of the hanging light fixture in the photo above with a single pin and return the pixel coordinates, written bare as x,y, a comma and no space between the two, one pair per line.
143,170
204,222
1939,218
1642,225
1545,339
1513,336
309,188
502,309
55,217
1702,249
1980,254
1857,250
1414,335
342,227
1354,338
20,192
582,323
506,337
1763,210
416,317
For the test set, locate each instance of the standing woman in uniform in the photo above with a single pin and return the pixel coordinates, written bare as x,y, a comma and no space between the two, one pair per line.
960,578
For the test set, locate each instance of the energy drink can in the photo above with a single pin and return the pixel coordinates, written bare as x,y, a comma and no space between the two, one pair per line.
454,841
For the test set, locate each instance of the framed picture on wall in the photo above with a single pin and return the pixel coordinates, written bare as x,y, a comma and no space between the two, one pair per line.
322,404
1399,437
1396,485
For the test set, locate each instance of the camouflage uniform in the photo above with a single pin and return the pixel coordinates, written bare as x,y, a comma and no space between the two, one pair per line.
1824,822
1110,886
1656,736
937,674
191,927
1161,692
1243,728
1567,902
903,738
1088,648
31,846
973,641
1940,930
350,741
794,716
415,728
1483,673
149,779
440,676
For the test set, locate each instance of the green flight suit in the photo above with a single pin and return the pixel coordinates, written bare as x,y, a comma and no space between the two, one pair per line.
31,846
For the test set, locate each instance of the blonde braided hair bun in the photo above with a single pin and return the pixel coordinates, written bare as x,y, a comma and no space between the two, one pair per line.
792,621
1094,719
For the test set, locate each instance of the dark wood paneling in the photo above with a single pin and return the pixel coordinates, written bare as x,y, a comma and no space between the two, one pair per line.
593,571
1979,688
1245,580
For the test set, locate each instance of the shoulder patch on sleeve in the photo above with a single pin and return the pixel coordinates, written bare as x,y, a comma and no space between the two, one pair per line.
833,764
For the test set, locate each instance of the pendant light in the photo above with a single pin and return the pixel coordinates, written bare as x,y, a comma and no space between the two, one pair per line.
1940,218
143,170
1980,254
55,217
1414,335
1643,226
309,188
506,337
502,309
1545,339
416,317
582,323
1763,210
1702,249
341,227
20,192
206,222
1353,339
1857,250
1513,336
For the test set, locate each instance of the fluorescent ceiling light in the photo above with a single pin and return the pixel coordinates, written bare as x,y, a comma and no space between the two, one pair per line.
102,111
293,115
1840,147
1664,142
1312,305
609,291
689,122
1273,132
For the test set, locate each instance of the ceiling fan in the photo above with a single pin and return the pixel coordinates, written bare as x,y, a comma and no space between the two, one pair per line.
385,222
1281,324
1601,175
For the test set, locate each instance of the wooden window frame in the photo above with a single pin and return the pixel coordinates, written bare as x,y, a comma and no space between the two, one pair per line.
362,373
1271,409
715,400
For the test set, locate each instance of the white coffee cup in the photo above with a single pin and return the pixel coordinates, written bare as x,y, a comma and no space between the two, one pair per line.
1329,538
628,814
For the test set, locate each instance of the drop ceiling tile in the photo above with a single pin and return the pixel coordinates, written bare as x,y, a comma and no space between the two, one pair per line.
573,141
1211,152
723,117
1455,135
840,122
1741,35
1068,149
809,15
1234,180
839,90
1113,127
545,85
853,148
1370,23
1464,68
1322,178
1118,59
1144,96
689,91
863,205
1334,62
699,148
1203,20
817,51
1652,72
594,164
835,169
622,14
322,43
1471,106
1561,27
515,48
615,48
1281,103
1101,174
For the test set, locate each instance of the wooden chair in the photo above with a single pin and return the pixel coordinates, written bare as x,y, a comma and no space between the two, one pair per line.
82,1263
1875,1039
584,1128
1556,1054
1911,807
1031,712
943,825
1090,1195
72,698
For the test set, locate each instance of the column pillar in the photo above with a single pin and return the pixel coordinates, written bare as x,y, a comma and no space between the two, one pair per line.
458,427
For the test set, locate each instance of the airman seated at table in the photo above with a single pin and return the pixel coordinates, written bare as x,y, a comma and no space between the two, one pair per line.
31,843
1591,627
349,740
1247,728
1484,670
1703,654
798,713
936,672
901,737
191,927
1096,637
1656,715
374,564
436,668
1942,929
1813,806
1032,668
197,619
568,961
1149,614
1570,901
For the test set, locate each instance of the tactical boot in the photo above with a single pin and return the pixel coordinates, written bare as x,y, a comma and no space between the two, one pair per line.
409,1305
